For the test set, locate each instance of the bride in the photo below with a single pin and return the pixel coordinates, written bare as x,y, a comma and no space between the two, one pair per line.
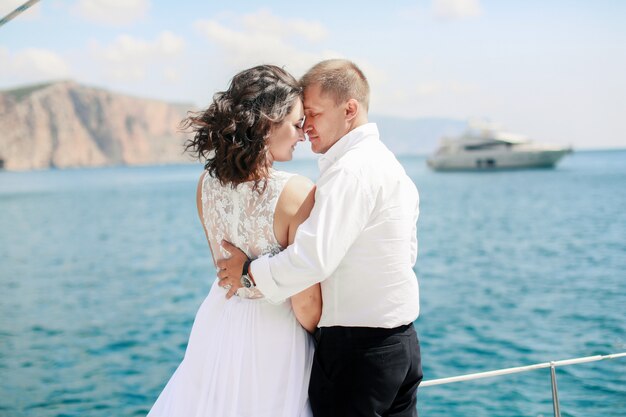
260,365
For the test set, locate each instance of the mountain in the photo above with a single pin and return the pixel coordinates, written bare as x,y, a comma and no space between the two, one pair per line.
65,124
415,136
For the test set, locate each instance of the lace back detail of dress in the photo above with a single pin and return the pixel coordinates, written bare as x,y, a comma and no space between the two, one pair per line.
243,217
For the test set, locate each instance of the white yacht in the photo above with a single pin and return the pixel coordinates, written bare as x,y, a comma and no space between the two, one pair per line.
485,147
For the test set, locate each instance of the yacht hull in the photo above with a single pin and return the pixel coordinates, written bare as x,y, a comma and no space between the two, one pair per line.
491,160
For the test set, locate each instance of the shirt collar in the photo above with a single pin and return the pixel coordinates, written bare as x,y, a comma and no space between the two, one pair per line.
347,142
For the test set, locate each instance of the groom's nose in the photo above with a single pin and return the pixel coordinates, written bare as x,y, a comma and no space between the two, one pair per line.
306,130
308,126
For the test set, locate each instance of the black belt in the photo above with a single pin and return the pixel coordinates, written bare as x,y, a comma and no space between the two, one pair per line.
358,332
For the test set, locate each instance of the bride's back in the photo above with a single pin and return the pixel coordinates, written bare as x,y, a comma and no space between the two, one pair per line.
242,215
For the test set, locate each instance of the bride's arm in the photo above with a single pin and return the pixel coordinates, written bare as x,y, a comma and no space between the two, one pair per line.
296,204
307,305
201,215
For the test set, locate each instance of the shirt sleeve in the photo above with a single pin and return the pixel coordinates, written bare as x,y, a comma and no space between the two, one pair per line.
341,211
414,244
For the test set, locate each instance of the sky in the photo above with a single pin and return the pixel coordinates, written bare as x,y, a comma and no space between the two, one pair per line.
552,70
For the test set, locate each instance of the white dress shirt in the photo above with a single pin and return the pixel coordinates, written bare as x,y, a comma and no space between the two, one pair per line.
360,240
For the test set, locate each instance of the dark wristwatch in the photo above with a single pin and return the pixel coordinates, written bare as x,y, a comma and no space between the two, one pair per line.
246,282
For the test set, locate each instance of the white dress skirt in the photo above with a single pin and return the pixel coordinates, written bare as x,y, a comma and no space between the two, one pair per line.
246,357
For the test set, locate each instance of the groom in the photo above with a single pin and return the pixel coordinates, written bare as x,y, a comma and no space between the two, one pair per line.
360,243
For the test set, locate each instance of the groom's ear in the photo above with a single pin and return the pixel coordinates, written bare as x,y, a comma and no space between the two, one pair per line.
352,109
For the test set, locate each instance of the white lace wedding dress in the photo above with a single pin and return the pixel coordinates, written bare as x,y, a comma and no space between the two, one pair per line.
245,356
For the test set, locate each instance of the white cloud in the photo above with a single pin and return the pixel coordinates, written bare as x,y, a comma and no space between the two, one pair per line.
171,75
129,58
427,89
443,87
265,38
429,98
32,65
462,88
265,22
456,9
112,12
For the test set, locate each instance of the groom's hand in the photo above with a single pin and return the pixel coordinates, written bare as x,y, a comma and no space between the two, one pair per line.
229,270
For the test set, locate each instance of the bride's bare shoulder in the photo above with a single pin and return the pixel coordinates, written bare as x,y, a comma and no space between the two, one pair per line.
294,194
293,206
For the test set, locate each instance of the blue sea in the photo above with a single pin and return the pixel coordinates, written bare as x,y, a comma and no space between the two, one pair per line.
102,270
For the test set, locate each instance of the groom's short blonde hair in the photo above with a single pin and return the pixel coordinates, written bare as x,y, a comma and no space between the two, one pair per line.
340,78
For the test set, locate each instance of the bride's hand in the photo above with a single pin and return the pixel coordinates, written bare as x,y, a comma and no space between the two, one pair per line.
230,269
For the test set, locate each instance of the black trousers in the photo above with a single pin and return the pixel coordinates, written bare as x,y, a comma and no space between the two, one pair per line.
365,372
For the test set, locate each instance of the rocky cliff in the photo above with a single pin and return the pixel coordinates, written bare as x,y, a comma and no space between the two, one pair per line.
65,124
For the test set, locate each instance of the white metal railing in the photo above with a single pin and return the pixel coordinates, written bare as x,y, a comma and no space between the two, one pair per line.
17,11
552,365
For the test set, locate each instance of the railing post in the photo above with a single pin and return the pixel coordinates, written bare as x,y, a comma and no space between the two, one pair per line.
555,392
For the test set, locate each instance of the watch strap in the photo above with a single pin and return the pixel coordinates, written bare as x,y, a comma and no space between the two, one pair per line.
246,266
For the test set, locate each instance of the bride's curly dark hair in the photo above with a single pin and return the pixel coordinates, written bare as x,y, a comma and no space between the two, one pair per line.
231,135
